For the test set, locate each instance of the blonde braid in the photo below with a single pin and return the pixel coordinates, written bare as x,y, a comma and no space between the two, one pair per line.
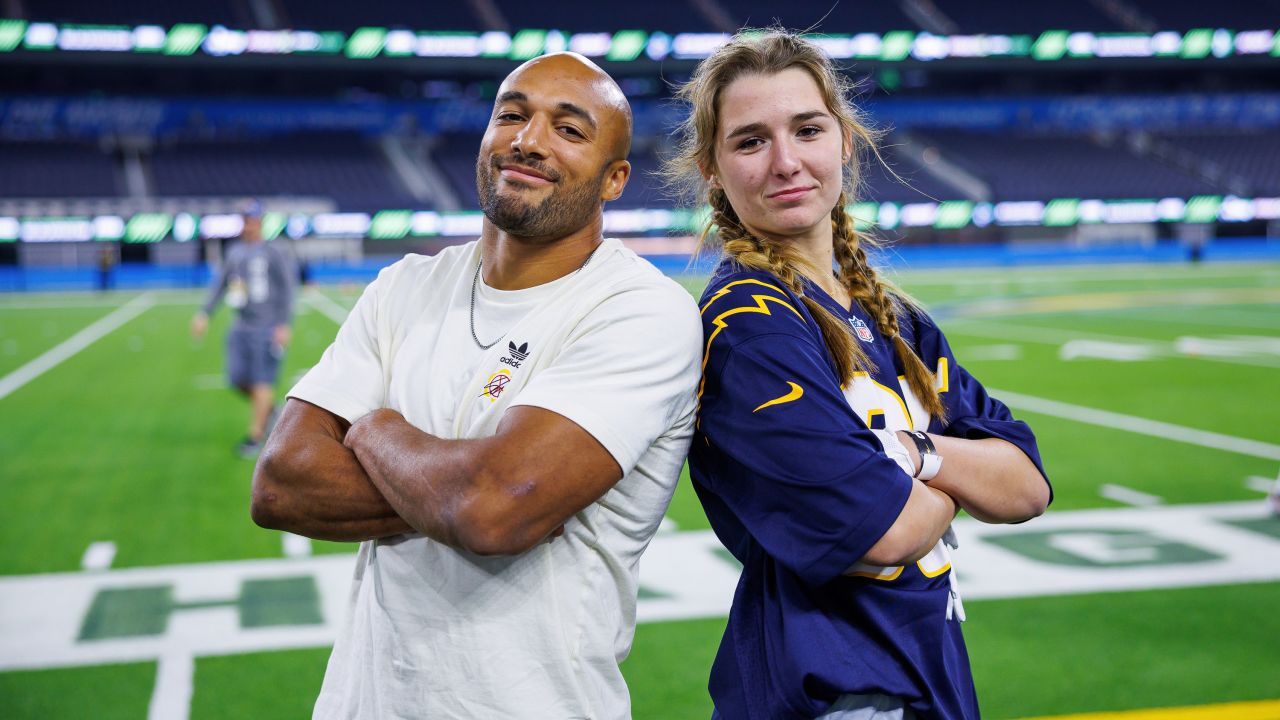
883,302
750,251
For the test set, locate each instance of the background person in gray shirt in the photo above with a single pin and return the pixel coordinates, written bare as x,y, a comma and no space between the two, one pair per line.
258,280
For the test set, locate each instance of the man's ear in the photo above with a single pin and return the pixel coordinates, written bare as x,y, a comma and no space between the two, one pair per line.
615,180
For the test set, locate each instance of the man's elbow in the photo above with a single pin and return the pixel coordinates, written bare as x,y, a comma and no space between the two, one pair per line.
494,541
497,519
494,531
268,505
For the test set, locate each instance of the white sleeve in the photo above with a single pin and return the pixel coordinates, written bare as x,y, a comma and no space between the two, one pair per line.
627,374
349,380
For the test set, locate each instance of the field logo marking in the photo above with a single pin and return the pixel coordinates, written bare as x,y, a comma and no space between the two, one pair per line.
99,555
295,545
147,614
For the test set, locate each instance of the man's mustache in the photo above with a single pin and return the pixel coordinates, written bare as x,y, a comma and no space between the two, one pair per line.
517,159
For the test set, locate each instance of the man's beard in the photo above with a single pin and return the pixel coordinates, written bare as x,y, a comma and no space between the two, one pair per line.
565,210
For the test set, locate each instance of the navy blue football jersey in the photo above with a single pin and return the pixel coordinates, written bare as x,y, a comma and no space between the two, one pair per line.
798,488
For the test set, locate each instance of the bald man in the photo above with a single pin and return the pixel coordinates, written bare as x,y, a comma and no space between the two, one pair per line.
502,426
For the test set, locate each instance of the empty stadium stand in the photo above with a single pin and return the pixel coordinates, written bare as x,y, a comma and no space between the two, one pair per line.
140,12
605,16
57,170
1034,167
1251,157
347,16
342,166
1025,17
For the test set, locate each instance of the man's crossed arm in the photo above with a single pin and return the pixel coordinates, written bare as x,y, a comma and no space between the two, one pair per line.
382,476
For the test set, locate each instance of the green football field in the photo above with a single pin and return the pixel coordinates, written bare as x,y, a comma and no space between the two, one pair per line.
1153,582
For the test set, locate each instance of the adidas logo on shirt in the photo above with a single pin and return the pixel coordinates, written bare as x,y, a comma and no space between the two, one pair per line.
517,354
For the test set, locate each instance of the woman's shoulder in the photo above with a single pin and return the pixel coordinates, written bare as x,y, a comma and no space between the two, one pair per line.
740,304
730,277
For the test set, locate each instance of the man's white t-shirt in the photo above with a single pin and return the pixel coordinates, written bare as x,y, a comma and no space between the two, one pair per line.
437,632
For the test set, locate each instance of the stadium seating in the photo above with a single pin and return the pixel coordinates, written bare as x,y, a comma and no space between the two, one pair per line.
138,12
456,156
342,166
644,189
912,184
1033,167
57,170
1251,157
842,17
347,16
668,17
1025,17
1232,14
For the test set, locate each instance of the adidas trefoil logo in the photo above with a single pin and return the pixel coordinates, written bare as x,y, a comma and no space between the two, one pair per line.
517,354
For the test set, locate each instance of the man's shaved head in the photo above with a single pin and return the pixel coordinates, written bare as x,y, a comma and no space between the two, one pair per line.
572,67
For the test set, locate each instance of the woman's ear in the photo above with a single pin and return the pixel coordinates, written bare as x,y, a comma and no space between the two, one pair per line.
709,176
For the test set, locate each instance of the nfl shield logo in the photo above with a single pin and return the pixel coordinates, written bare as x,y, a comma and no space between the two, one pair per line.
860,329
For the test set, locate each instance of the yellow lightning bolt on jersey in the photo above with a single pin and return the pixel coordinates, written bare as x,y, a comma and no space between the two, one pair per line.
720,321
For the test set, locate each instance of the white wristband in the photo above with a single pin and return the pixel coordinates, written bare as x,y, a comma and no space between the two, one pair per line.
930,464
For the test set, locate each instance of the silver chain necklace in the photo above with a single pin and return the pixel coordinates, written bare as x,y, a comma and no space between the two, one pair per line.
475,280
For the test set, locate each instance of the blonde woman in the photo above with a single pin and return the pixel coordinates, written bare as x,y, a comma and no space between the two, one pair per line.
837,435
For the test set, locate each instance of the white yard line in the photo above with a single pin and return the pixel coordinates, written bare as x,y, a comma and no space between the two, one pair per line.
58,305
994,352
98,556
1260,484
1031,333
1141,426
82,301
1032,275
326,306
1233,319
295,546
1050,336
175,682
74,344
1128,496
210,382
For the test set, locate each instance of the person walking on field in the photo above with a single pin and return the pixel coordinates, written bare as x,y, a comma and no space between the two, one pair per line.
258,280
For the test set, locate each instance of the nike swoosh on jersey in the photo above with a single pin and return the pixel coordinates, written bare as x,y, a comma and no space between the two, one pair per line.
795,394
